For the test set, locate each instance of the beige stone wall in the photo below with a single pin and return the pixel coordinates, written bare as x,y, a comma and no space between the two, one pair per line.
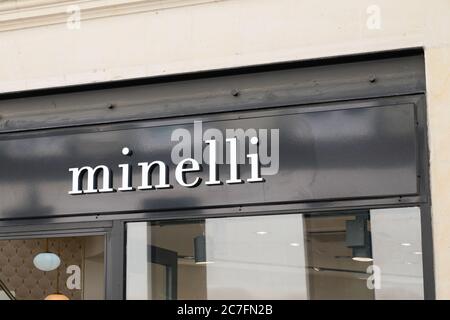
438,99
121,39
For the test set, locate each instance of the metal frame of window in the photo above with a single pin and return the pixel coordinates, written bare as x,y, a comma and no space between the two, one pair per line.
400,82
56,230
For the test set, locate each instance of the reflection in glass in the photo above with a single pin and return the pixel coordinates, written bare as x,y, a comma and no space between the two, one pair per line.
360,255
336,245
397,248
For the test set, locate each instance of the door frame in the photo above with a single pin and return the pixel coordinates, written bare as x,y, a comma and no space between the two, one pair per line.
167,259
16,230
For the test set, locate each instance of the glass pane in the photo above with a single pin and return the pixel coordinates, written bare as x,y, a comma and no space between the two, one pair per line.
397,251
338,256
54,268
256,258
295,256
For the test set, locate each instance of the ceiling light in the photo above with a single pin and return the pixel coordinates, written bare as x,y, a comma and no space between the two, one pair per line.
261,233
46,261
362,259
358,238
200,250
56,296
417,252
406,244
294,244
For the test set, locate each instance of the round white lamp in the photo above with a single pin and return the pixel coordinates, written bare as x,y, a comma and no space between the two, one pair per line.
46,261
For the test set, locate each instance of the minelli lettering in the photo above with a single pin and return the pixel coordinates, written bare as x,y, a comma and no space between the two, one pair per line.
189,166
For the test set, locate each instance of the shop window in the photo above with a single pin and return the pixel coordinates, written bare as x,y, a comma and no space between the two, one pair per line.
373,254
69,268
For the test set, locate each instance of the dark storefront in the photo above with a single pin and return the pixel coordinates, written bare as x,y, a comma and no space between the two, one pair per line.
306,180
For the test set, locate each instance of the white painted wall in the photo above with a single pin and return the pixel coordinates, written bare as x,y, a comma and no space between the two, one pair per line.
216,34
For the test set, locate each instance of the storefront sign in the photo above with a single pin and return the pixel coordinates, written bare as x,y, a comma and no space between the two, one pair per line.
185,166
286,155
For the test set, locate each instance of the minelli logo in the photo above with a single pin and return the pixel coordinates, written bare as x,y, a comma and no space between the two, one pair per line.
210,149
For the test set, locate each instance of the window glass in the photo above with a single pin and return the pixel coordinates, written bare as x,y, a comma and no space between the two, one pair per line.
60,268
373,254
397,250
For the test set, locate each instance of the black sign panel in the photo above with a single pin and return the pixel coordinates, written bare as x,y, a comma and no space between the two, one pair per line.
310,154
